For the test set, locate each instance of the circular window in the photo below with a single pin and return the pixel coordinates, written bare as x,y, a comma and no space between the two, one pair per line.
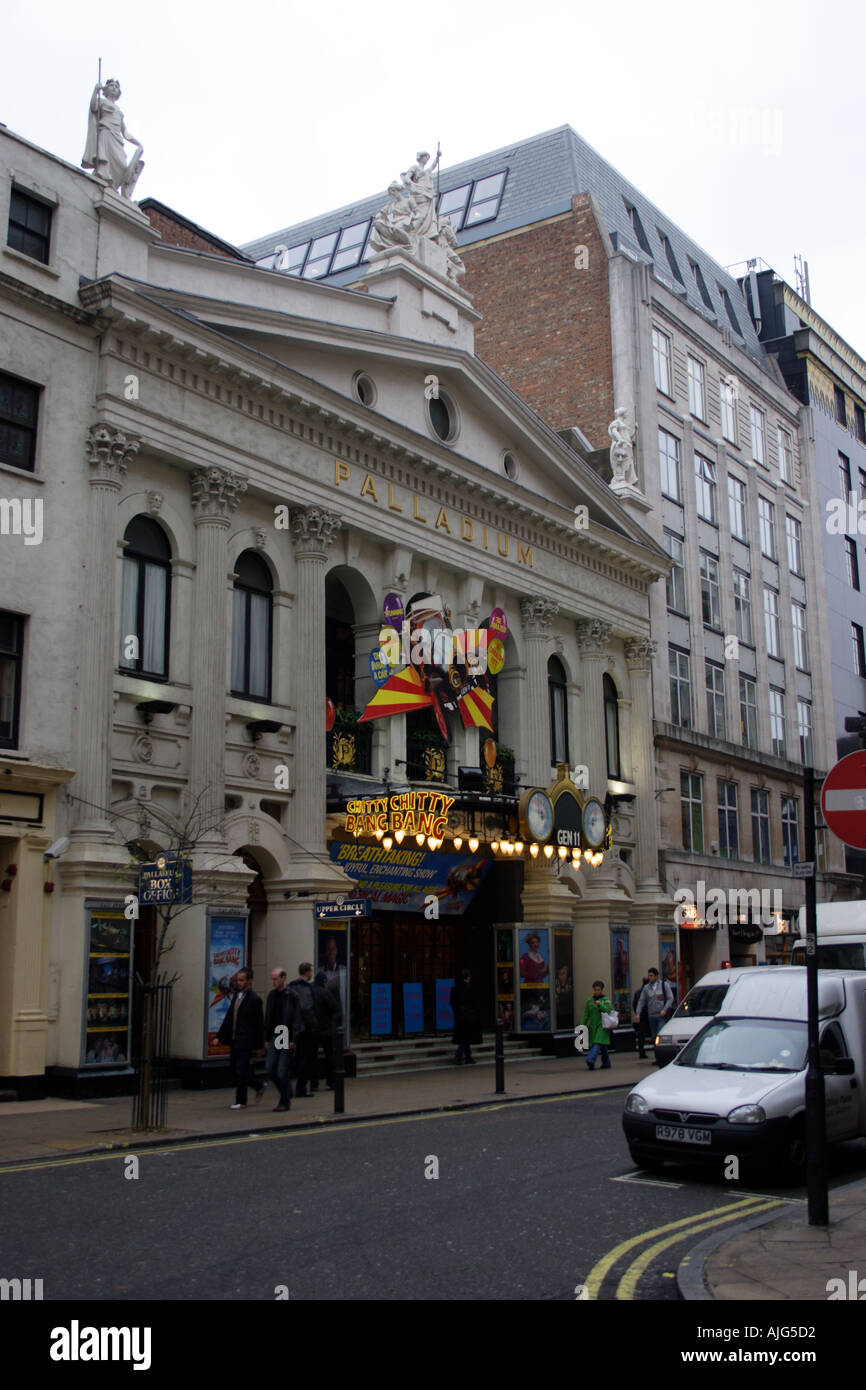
442,417
364,388
510,466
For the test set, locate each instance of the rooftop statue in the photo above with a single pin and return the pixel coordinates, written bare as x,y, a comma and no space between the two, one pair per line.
106,133
408,221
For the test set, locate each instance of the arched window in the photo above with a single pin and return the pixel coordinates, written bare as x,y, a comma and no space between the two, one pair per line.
559,751
611,726
145,601
251,628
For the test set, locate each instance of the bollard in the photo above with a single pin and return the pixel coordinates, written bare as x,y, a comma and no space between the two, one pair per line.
500,1057
339,1074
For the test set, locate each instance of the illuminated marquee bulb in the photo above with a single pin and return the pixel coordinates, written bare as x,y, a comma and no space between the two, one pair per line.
419,840
399,836
432,842
575,854
387,842
473,843
533,850
379,832
599,858
548,851
518,847
458,842
563,852
494,845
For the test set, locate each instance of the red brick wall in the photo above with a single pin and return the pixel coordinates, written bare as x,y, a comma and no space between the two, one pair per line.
546,325
176,234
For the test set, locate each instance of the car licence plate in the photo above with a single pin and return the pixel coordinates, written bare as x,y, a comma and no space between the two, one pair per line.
684,1134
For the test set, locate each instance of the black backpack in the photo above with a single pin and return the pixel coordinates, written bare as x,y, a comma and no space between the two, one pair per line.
303,992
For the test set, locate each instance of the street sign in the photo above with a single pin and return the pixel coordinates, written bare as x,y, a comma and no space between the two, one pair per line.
804,870
168,880
843,799
342,907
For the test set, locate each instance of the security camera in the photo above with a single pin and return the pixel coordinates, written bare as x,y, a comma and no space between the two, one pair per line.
59,847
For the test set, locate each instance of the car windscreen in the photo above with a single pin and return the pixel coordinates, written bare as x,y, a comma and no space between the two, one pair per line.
704,1001
748,1044
850,955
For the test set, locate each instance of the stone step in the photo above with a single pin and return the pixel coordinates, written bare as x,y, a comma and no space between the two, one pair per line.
406,1055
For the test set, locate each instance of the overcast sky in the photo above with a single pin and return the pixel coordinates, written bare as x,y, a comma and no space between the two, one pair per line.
744,121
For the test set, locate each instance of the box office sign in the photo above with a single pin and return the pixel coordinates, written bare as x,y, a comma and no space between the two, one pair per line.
167,880
408,879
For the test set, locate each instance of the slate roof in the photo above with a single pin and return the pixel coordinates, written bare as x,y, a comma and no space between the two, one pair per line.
543,174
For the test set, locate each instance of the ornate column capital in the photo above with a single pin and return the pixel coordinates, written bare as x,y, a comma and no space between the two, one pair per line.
109,452
215,493
536,615
640,653
592,636
314,529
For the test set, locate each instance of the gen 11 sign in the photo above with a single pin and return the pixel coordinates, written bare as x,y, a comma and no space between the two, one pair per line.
843,799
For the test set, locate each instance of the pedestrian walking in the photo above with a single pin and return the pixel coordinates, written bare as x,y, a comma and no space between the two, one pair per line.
329,1013
243,1029
599,1036
467,1019
641,1026
307,1047
656,1000
281,1012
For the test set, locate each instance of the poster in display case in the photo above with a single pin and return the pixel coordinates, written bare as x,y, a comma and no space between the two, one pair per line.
107,1013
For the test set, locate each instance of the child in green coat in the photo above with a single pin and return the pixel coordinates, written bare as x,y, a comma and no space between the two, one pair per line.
599,1037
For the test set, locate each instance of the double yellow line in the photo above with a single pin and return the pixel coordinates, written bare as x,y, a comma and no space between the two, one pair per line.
687,1226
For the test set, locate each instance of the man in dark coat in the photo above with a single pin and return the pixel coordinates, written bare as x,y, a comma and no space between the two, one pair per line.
641,1027
281,1013
328,1016
243,1028
307,1050
467,1019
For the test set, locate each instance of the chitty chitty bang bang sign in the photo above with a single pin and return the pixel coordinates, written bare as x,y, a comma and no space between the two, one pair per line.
413,813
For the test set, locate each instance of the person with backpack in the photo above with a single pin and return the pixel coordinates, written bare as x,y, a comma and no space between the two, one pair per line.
657,1000
308,1032
599,1036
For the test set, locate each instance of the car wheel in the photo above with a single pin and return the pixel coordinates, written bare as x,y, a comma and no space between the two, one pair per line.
645,1160
794,1158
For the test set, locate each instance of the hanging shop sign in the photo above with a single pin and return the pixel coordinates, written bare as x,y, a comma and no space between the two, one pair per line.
167,880
578,822
410,880
379,668
341,908
436,666
410,813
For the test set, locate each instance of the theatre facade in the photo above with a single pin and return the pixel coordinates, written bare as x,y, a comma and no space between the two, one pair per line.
324,612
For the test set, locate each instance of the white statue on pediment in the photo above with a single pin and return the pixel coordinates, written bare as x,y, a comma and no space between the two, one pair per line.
393,223
408,221
106,132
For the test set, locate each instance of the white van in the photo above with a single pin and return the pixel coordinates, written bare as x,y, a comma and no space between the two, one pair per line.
702,1003
739,1086
841,936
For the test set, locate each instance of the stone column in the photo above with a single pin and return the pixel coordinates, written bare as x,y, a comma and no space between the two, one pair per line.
640,654
592,639
536,616
215,493
313,531
109,452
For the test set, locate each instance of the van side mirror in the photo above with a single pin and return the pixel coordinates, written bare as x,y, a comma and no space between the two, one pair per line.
842,1066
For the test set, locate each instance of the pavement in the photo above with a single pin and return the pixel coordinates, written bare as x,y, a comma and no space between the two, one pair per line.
776,1256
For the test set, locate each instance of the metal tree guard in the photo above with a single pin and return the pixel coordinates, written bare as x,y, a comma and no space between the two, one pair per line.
148,1109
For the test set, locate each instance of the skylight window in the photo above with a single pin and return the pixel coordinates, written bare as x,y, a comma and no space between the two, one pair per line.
350,246
729,309
672,260
472,203
320,256
702,286
637,227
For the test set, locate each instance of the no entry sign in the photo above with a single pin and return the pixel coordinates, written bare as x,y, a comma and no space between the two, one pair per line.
843,800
